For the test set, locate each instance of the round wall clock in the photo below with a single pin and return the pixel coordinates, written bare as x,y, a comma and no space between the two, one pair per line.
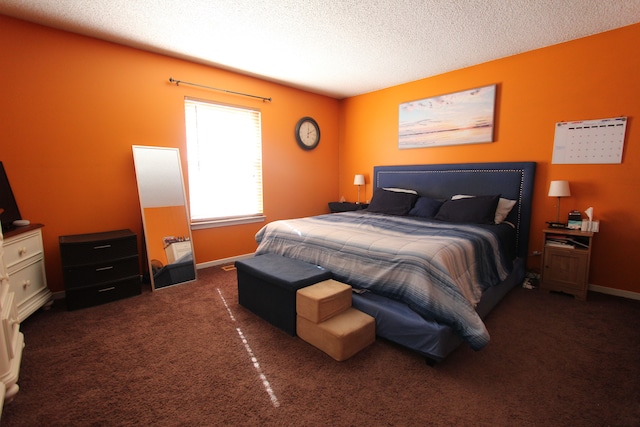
307,133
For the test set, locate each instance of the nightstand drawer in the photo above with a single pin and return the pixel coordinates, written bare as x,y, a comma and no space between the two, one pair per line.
75,277
27,281
566,267
101,294
23,247
24,257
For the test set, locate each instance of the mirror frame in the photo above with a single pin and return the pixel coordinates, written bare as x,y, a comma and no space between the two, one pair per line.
162,196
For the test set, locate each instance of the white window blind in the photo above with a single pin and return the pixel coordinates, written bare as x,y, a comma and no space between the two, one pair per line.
224,156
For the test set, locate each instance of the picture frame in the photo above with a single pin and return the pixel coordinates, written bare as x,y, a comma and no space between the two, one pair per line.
465,117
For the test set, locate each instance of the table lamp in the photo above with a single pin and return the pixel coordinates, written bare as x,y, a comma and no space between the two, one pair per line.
559,189
358,180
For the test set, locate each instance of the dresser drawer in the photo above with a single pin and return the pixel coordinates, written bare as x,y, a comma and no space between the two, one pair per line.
75,252
22,247
101,294
101,272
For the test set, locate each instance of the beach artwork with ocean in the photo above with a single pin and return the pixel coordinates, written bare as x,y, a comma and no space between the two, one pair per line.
458,118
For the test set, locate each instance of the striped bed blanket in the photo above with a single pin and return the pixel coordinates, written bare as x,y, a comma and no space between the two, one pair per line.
438,269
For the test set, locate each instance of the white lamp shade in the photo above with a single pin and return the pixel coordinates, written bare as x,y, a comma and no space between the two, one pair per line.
559,189
358,180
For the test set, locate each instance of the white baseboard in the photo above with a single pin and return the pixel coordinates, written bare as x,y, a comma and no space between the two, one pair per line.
223,261
616,292
58,295
231,260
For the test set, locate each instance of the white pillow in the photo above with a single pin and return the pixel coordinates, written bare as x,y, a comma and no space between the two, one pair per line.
460,196
400,190
502,210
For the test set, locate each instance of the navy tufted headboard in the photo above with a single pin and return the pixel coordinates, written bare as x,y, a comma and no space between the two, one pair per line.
512,180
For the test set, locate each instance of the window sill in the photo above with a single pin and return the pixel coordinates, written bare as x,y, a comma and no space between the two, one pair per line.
214,223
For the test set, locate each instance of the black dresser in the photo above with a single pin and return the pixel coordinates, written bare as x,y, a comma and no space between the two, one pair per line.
99,267
336,207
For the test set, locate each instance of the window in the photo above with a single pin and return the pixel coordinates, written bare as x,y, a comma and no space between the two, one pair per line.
224,157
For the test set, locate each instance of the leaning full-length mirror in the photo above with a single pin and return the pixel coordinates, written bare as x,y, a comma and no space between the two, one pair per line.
165,215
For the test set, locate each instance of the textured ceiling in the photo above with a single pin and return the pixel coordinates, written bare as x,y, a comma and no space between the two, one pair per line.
337,48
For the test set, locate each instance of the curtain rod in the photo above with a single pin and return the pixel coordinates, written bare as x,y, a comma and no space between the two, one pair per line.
177,82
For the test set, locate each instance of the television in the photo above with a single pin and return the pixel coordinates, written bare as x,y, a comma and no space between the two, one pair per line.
8,205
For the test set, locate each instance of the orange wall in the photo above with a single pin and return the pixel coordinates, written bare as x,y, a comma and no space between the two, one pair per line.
590,78
71,107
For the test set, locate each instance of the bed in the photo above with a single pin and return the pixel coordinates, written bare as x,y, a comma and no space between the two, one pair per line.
426,259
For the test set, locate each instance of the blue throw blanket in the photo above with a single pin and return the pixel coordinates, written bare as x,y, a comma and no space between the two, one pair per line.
438,269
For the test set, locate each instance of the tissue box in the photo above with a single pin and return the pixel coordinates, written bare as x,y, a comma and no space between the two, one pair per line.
593,226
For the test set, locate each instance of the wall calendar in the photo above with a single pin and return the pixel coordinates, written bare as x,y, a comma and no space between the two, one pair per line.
589,141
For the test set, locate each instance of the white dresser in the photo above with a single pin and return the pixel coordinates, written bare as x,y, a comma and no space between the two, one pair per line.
24,259
11,339
177,250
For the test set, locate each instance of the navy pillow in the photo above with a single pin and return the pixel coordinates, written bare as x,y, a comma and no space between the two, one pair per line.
476,210
425,207
391,202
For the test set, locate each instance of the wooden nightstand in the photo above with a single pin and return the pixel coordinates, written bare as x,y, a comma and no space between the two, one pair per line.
24,258
565,261
336,207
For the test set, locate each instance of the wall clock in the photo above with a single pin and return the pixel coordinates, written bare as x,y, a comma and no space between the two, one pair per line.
307,133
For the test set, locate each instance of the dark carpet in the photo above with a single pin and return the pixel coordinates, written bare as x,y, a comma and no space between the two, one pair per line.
189,355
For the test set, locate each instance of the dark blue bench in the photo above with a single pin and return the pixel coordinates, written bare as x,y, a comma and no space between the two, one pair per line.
267,286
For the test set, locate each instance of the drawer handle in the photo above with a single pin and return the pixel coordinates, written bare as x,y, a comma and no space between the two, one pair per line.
104,268
22,251
26,283
107,289
102,247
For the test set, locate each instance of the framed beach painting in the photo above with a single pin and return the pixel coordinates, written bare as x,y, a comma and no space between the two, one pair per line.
465,117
